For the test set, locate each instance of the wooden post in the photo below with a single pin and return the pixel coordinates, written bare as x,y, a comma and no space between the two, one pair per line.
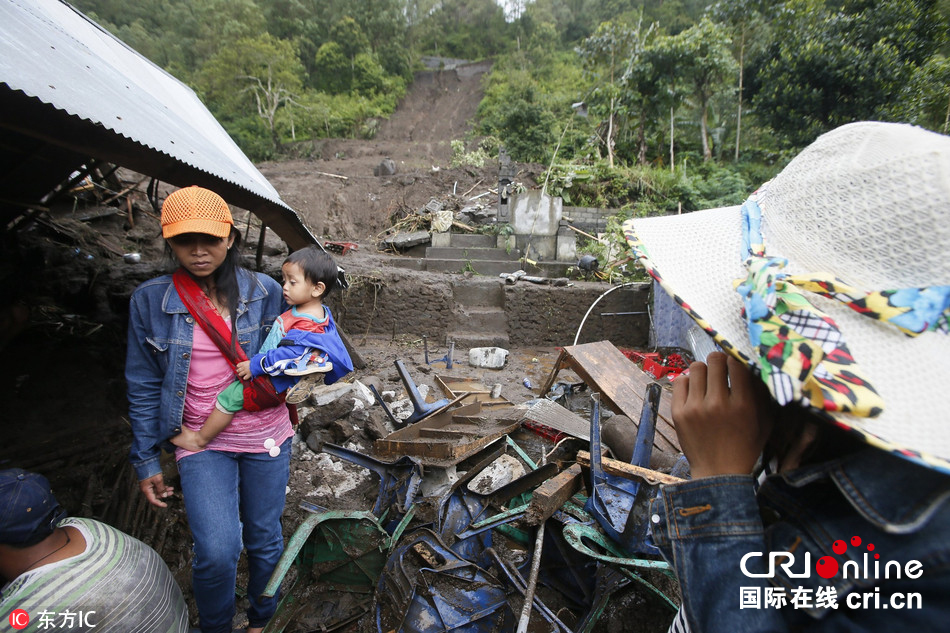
259,261
550,496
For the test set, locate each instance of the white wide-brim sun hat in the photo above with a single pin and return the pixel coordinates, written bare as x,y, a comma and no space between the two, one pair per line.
868,203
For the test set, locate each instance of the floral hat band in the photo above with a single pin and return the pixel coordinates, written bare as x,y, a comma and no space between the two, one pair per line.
800,350
842,302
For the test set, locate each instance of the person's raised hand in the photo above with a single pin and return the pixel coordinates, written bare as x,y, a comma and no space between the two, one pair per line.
718,413
155,490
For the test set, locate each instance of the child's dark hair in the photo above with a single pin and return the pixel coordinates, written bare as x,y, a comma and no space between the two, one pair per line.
317,266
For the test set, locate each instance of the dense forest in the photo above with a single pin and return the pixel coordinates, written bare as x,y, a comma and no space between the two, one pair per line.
642,105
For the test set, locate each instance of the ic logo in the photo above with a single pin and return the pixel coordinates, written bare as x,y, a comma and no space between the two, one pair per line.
19,619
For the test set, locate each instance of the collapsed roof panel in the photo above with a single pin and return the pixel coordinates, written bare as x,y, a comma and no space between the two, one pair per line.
66,81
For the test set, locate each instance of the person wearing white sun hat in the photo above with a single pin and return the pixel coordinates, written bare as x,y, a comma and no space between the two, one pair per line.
829,289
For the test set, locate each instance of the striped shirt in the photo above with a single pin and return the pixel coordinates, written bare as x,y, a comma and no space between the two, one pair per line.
117,585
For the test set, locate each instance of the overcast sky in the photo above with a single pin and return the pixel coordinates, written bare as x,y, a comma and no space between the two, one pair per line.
513,8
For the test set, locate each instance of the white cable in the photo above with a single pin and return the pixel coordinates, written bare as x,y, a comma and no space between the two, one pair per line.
596,301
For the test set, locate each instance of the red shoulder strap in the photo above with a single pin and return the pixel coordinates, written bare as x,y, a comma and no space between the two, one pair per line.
205,314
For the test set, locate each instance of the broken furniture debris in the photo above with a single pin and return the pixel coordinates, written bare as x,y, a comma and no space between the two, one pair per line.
621,384
341,248
447,359
468,390
498,538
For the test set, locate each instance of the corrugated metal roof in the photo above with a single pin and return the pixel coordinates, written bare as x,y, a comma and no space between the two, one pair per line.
55,55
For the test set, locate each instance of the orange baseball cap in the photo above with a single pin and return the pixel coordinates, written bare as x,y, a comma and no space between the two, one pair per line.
195,210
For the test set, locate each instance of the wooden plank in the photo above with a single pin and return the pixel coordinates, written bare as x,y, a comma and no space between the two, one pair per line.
628,471
444,439
621,385
550,496
470,389
448,433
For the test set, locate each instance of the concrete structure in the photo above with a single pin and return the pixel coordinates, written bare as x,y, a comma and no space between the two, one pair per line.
535,219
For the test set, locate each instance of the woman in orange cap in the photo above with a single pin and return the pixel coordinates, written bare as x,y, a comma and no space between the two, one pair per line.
185,332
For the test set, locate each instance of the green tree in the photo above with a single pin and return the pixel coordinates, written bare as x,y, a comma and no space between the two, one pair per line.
661,68
468,29
925,99
514,114
348,35
746,22
333,71
256,76
608,56
649,85
707,62
300,21
830,65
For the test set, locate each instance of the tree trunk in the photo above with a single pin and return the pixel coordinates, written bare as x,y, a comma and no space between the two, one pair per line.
707,151
642,143
672,158
610,132
739,111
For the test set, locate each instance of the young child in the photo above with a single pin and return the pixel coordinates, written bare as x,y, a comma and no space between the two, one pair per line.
302,346
820,496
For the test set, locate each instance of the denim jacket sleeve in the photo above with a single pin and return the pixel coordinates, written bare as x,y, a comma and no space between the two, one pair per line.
160,335
701,527
146,372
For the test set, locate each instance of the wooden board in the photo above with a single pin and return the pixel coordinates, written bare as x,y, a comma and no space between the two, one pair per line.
471,390
628,471
621,385
548,498
448,437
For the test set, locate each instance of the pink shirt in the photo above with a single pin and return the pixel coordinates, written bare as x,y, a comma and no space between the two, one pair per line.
208,375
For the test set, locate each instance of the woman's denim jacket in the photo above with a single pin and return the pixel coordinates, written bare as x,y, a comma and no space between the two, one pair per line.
705,527
159,355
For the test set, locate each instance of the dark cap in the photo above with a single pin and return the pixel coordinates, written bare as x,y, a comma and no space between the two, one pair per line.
28,510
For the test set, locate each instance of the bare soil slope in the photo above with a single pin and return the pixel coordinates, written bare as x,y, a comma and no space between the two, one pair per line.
334,188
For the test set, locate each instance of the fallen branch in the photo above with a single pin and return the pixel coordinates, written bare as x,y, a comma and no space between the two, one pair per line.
629,471
482,195
464,227
596,239
124,191
323,173
618,262
472,188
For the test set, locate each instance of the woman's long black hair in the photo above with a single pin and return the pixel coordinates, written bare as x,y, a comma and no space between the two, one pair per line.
226,281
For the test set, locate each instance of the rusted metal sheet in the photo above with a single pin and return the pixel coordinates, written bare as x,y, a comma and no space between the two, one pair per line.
450,436
69,83
621,384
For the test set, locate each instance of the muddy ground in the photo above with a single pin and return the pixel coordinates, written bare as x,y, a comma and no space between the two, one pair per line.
63,332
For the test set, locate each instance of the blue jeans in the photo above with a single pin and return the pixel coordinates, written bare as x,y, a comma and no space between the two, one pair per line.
234,500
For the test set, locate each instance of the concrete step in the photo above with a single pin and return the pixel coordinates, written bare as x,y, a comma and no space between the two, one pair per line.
457,252
465,341
481,319
479,291
490,268
408,263
466,240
